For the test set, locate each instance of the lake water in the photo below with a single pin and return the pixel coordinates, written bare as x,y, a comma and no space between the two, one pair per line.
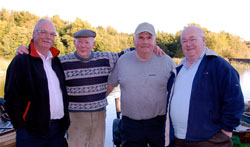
111,111
245,84
110,116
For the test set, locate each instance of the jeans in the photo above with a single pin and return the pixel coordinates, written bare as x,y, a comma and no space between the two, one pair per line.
28,138
140,133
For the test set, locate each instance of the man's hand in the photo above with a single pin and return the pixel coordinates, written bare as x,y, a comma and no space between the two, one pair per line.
229,134
109,89
22,50
158,51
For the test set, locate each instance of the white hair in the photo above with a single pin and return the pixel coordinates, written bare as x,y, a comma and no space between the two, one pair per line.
40,21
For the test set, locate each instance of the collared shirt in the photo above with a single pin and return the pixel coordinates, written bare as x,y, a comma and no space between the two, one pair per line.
179,108
55,93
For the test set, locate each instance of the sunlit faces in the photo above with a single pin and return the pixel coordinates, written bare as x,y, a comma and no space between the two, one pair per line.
193,43
144,43
44,35
84,46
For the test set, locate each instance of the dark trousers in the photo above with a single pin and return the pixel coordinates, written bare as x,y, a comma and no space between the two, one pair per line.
218,140
27,138
139,133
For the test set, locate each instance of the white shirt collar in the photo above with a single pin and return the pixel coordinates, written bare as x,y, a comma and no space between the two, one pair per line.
49,55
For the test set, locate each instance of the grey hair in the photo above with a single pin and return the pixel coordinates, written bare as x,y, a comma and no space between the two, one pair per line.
40,21
194,27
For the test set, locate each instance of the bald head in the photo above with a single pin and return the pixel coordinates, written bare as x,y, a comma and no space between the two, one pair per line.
196,29
193,43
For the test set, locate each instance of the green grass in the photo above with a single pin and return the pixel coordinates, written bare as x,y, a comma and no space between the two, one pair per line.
4,63
2,82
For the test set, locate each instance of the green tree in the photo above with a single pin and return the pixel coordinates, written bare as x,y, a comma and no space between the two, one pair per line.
13,39
16,28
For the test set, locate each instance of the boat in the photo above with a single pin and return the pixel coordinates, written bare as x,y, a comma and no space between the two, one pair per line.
7,132
241,134
246,117
8,138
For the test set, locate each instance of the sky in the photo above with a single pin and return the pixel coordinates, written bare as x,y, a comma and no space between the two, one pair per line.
169,16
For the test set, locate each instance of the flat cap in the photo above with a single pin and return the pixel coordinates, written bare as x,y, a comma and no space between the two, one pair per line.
145,27
84,33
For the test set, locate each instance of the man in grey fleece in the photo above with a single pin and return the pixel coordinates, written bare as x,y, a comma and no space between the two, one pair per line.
143,78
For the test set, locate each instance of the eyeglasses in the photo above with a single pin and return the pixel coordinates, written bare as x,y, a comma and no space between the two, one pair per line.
43,32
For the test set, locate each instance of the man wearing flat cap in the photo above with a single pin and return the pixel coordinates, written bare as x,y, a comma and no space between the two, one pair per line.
86,75
84,33
143,90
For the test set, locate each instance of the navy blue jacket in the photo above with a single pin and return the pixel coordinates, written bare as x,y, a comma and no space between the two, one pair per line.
216,99
27,95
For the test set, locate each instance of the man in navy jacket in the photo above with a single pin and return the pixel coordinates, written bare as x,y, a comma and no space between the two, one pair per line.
35,92
205,100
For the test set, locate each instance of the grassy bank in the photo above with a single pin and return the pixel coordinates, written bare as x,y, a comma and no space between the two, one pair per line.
3,67
2,82
4,64
240,66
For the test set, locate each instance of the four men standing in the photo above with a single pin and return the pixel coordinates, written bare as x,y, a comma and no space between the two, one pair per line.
203,102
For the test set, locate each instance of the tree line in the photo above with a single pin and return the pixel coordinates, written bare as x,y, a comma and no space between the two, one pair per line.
16,28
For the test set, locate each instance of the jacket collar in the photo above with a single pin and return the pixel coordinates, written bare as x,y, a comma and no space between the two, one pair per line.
210,52
34,53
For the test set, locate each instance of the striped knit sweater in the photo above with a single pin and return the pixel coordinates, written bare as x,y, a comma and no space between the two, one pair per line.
86,79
